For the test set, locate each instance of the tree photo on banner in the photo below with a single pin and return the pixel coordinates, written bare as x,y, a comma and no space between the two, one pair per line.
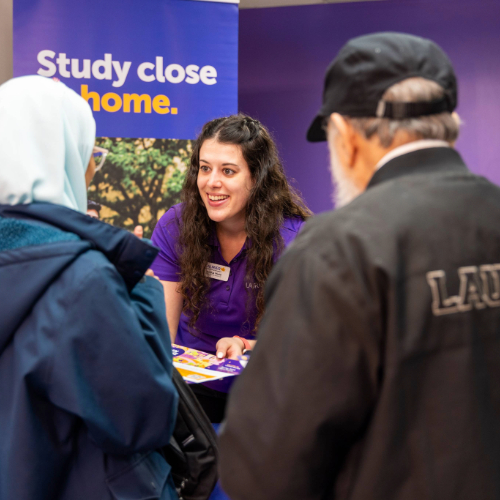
150,93
142,178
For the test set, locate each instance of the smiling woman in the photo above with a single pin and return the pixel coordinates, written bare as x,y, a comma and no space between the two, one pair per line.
238,214
225,183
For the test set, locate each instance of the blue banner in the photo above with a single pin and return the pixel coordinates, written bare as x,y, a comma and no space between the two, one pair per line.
150,68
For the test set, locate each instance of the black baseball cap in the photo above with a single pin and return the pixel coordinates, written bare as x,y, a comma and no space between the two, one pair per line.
368,65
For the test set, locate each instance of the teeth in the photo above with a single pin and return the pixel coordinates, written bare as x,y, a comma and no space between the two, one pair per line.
217,198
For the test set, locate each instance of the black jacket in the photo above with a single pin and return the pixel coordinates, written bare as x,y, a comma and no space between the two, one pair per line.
377,370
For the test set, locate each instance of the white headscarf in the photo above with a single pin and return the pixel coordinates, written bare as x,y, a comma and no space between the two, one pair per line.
47,133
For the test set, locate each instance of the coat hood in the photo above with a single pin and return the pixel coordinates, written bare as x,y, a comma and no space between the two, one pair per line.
38,241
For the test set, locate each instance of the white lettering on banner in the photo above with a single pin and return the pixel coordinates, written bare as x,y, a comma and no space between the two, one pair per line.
479,288
105,64
141,72
121,72
108,69
75,71
169,73
159,70
63,62
208,75
43,58
192,74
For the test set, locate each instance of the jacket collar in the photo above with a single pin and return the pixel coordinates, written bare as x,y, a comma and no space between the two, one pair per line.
421,162
131,256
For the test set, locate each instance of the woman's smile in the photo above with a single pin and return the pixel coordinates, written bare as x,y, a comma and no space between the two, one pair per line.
216,200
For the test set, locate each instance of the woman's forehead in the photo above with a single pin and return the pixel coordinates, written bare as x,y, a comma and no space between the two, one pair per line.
214,151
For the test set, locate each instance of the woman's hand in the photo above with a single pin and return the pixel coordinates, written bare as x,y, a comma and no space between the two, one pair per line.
150,272
229,347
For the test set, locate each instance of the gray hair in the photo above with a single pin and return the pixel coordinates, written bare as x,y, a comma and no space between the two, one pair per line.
443,126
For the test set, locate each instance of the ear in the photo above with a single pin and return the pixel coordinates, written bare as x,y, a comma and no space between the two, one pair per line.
458,121
346,140
90,172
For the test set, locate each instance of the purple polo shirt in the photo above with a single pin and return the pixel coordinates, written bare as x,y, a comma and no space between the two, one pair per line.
230,314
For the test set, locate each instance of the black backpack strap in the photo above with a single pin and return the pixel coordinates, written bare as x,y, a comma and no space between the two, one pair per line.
192,452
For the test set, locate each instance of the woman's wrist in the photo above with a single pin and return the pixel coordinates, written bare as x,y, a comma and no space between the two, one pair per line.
246,344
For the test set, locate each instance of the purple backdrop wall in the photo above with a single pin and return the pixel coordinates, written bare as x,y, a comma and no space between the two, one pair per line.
284,52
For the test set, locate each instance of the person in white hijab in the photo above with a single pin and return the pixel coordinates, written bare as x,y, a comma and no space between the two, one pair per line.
86,395
47,134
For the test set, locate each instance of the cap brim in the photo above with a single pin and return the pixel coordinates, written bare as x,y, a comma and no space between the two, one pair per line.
316,133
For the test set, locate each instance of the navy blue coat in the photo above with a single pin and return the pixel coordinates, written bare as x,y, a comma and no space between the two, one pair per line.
86,394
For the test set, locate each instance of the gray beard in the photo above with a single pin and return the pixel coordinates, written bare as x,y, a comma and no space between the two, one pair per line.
344,189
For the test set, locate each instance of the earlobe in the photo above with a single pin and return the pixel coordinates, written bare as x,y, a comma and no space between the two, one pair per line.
457,119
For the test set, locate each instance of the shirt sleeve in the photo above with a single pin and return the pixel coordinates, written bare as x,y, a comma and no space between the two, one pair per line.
110,363
311,382
165,236
290,229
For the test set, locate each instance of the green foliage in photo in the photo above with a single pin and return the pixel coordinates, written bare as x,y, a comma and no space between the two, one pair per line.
140,180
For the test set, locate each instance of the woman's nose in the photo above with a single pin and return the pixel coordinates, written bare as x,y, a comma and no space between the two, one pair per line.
214,179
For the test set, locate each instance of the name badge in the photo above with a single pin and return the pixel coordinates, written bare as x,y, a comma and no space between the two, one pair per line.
217,272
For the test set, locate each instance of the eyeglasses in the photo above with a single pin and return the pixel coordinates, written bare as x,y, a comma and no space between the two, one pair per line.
99,157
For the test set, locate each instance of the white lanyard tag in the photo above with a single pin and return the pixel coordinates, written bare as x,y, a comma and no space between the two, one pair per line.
217,272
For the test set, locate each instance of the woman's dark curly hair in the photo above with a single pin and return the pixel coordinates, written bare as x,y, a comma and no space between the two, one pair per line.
270,201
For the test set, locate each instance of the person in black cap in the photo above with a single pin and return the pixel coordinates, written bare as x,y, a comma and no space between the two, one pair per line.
376,371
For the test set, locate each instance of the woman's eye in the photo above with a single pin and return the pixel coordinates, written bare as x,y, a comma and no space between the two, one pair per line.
228,171
204,168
